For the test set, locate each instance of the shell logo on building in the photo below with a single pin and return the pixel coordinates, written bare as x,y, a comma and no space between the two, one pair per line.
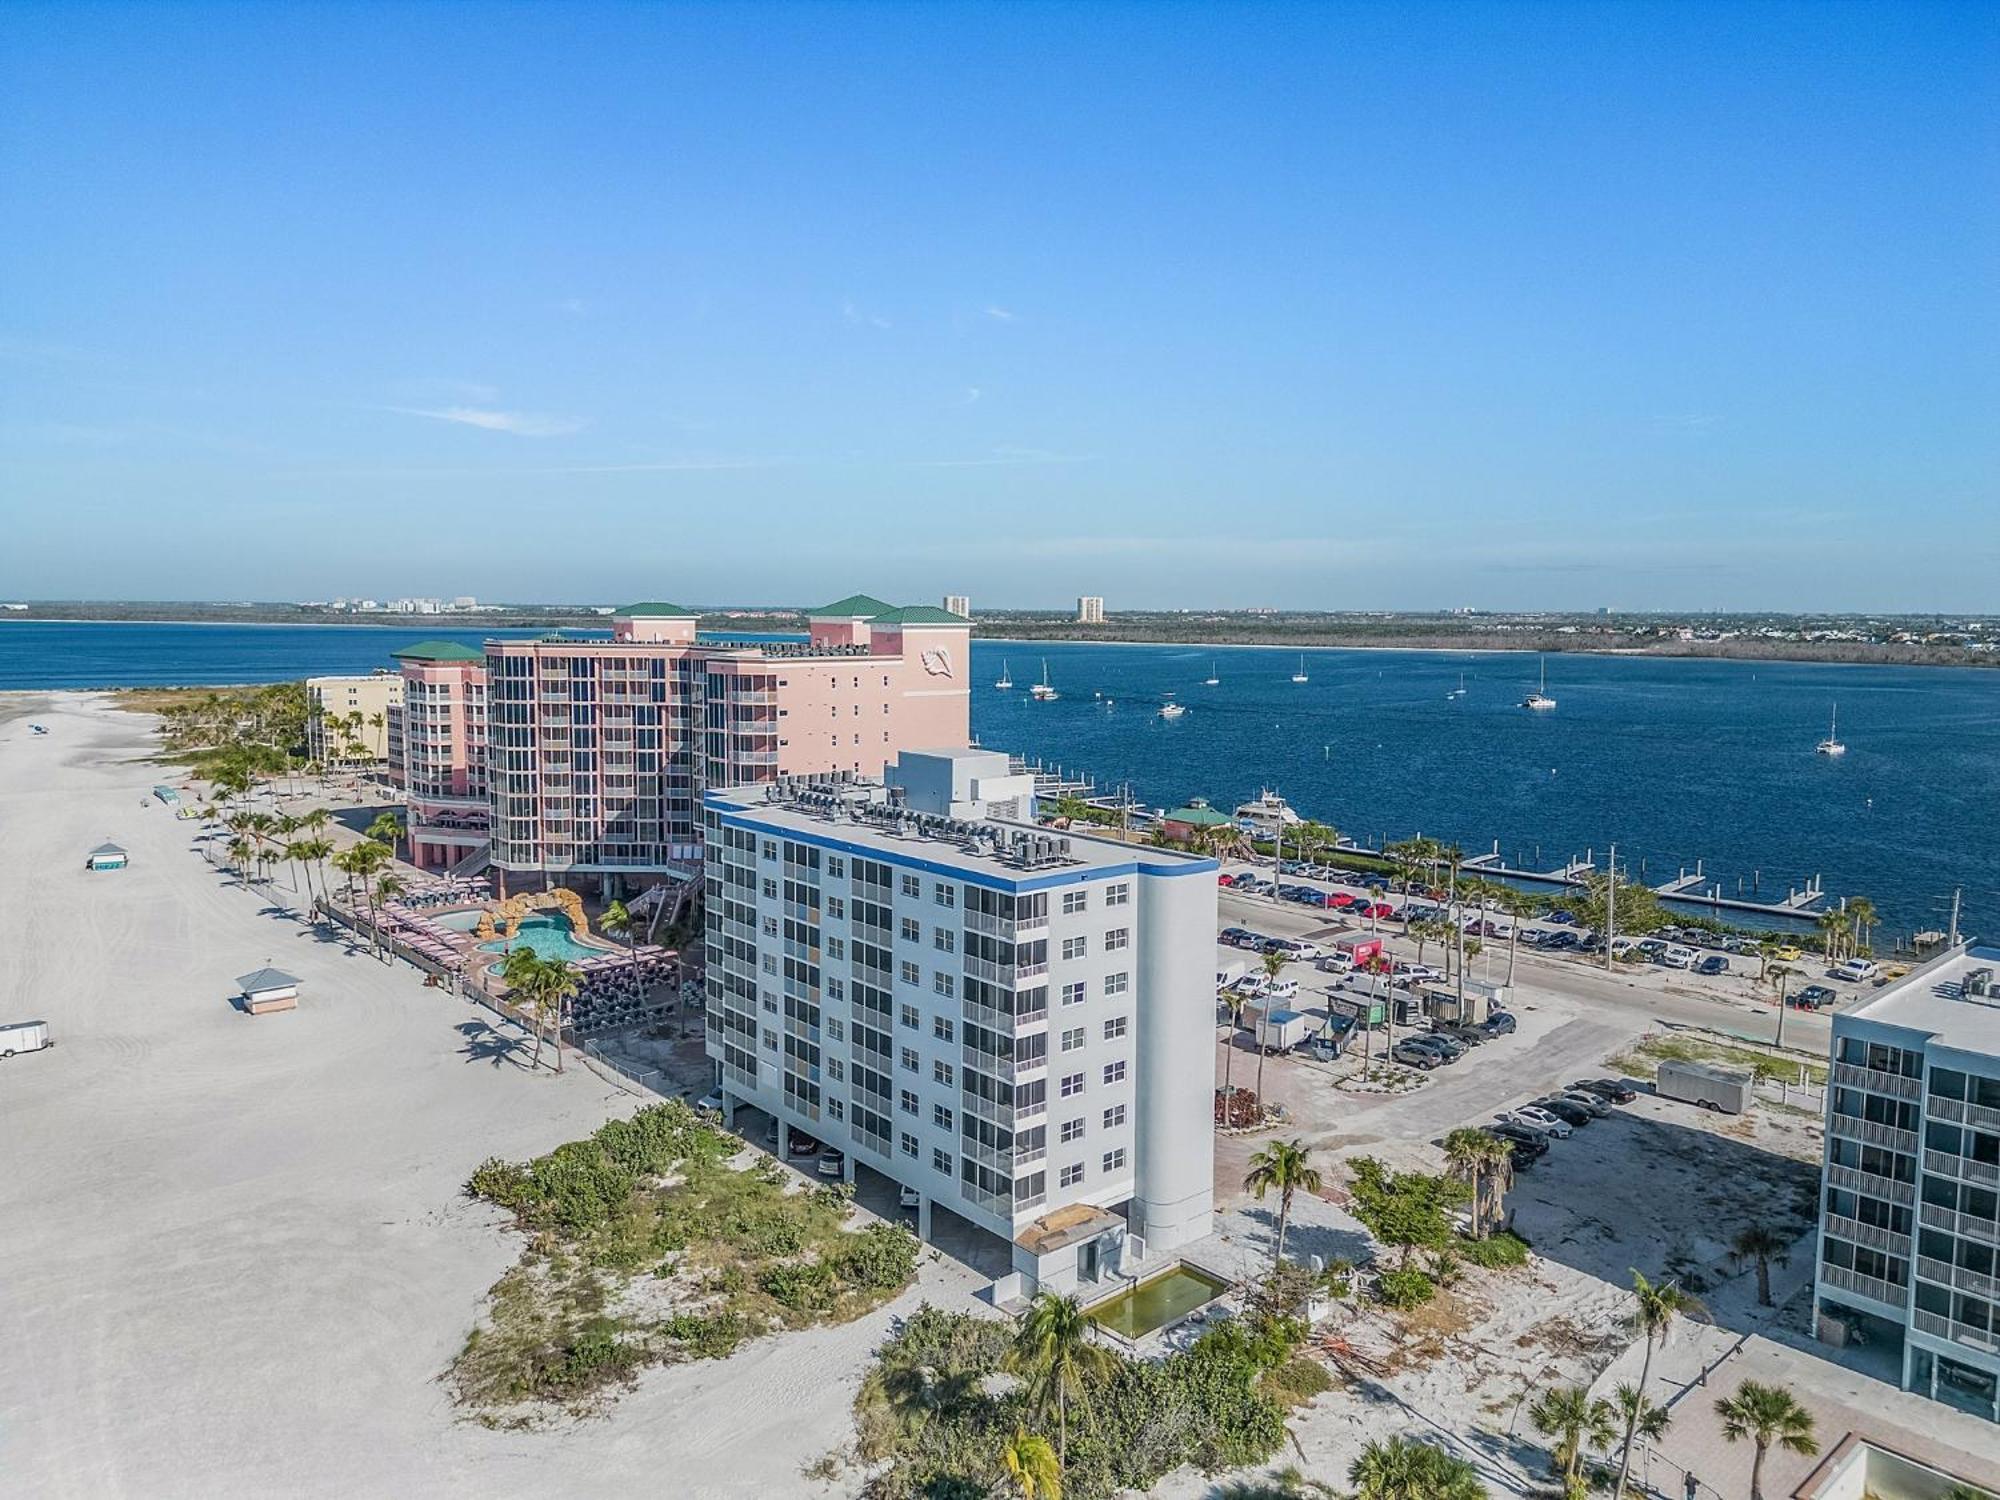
936,662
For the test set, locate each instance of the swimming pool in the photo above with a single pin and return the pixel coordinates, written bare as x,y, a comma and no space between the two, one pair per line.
456,921
1157,1301
549,934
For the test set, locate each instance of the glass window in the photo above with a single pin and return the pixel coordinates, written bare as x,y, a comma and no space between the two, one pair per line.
1115,1072
1114,1117
1114,1161
1071,1174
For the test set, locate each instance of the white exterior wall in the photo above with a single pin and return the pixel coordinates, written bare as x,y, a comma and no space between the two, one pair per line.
1157,1068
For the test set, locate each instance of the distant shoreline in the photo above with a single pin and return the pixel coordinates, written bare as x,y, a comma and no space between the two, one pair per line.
1305,637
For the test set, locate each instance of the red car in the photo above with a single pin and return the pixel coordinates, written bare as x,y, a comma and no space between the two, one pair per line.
1377,909
1340,899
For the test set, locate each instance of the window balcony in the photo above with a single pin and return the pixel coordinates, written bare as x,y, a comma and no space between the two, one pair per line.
1895,1085
1875,1186
1871,1287
1886,1136
1873,1236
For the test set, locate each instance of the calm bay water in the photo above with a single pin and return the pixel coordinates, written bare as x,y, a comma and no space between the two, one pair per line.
1675,760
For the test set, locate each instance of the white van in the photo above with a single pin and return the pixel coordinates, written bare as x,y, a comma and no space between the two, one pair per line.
23,1036
1856,970
1281,990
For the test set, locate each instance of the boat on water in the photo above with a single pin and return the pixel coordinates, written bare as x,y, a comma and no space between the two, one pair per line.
1006,676
1211,680
1459,691
1171,709
1041,692
1300,675
1831,745
1269,815
1540,699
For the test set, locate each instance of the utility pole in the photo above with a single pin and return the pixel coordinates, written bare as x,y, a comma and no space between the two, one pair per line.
1610,908
1956,892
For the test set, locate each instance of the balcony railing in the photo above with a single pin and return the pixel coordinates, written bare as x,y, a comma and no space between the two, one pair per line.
1873,1184
1873,1134
1873,1236
1007,929
1009,1068
1005,975
1872,1287
1958,1112
1939,1326
1961,1167
1944,1273
1895,1085
1967,1225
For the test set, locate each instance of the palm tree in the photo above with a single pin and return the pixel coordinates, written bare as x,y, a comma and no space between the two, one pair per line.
1568,1415
1649,1419
1486,1164
1274,964
1053,1352
1033,1470
1282,1165
1654,1308
1832,927
559,983
386,829
1519,906
1767,1248
387,889
1287,1484
366,858
1766,1414
521,968
1401,1469
241,852
1235,999
618,921
1861,916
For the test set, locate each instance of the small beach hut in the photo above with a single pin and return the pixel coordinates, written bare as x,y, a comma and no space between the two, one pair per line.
106,857
267,990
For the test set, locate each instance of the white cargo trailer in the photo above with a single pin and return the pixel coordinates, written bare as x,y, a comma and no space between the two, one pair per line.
1711,1087
23,1036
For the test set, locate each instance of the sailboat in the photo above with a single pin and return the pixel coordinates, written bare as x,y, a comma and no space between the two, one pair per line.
1041,692
1459,691
1831,745
1211,679
1300,675
1540,698
1006,677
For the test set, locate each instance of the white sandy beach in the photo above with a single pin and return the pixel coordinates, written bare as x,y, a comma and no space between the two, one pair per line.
236,1254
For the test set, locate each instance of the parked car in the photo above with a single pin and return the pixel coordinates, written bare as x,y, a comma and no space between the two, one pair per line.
1856,970
798,1143
1281,990
1788,953
1561,918
1617,1091
832,1163
1448,1044
1715,963
1564,1110
1497,1023
1652,947
1522,1137
1339,899
1236,937
1416,972
1412,1051
1813,997
1599,1107
1292,947
1543,1120
709,1103
909,1197
1676,956
1470,1036
1560,938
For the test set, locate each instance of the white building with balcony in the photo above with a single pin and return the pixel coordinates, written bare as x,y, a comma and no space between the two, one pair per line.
1909,1242
1017,1025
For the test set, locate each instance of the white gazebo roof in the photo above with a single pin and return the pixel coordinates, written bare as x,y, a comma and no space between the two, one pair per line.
267,979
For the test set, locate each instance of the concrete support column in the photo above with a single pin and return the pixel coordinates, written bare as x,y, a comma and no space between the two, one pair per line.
847,1167
924,1217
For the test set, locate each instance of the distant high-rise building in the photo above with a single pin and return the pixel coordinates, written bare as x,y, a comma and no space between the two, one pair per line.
348,717
1090,610
959,604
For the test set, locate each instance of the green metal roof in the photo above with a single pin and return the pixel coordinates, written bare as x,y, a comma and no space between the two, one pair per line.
438,651
656,611
1199,817
853,607
918,614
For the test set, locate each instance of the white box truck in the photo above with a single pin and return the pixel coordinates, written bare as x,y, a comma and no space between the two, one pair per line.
1706,1085
23,1036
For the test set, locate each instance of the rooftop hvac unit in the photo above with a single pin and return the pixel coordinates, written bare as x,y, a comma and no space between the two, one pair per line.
1977,982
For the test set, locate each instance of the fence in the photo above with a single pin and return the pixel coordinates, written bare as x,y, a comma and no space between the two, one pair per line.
649,1079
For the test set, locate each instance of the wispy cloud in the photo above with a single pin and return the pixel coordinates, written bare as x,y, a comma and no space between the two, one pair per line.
858,316
1692,421
970,396
1001,457
518,423
1001,315
576,307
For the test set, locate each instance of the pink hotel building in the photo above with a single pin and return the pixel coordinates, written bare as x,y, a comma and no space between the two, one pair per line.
574,758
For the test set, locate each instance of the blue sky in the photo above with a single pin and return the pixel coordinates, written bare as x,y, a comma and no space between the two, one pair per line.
1332,306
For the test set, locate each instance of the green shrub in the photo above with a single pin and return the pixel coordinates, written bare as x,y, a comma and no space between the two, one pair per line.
1497,1250
807,1287
1404,1289
880,1258
1295,1382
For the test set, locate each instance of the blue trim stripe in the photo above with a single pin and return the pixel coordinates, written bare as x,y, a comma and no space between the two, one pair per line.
736,817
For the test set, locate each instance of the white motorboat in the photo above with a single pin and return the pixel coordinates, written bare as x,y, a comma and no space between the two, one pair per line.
1171,709
1041,692
1268,815
1831,745
1540,698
